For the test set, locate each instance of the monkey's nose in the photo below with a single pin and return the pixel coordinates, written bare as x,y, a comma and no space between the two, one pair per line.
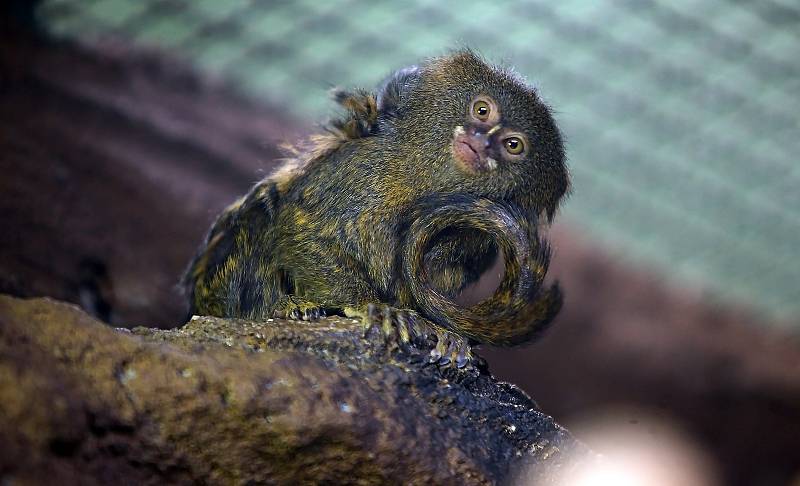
482,139
470,149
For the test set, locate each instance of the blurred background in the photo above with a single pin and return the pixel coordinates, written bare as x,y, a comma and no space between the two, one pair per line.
127,125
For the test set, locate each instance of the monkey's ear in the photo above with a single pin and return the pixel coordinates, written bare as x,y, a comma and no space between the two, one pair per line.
361,117
394,90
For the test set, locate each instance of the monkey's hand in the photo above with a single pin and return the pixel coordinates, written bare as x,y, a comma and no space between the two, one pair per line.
410,332
292,307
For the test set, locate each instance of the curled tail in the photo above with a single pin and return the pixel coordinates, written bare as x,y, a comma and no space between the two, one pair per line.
521,306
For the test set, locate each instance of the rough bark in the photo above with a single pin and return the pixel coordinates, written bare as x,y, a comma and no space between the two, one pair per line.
230,401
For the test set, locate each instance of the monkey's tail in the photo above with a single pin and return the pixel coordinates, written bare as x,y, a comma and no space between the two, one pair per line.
521,306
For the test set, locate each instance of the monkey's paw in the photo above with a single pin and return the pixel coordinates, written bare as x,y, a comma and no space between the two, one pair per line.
409,330
299,309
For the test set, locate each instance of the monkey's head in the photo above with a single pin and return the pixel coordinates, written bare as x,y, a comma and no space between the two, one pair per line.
466,126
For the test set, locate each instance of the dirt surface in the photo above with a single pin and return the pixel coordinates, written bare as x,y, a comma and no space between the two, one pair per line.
116,161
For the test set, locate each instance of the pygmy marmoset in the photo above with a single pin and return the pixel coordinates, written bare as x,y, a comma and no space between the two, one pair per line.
405,200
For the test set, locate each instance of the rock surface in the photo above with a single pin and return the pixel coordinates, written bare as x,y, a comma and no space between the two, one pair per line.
229,401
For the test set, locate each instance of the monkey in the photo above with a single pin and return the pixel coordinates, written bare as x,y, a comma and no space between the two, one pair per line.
404,201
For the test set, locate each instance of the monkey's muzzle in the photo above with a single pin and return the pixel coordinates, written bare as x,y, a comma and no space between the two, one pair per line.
471,150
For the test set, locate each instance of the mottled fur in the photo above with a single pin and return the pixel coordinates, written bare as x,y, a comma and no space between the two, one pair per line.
338,225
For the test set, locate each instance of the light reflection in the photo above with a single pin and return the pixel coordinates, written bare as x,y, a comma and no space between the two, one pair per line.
638,448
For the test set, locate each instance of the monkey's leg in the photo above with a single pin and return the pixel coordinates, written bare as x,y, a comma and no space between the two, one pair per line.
231,276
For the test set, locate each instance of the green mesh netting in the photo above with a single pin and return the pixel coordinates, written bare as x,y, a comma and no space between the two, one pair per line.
681,117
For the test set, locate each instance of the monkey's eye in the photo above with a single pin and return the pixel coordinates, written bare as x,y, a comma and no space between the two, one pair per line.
514,145
481,110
